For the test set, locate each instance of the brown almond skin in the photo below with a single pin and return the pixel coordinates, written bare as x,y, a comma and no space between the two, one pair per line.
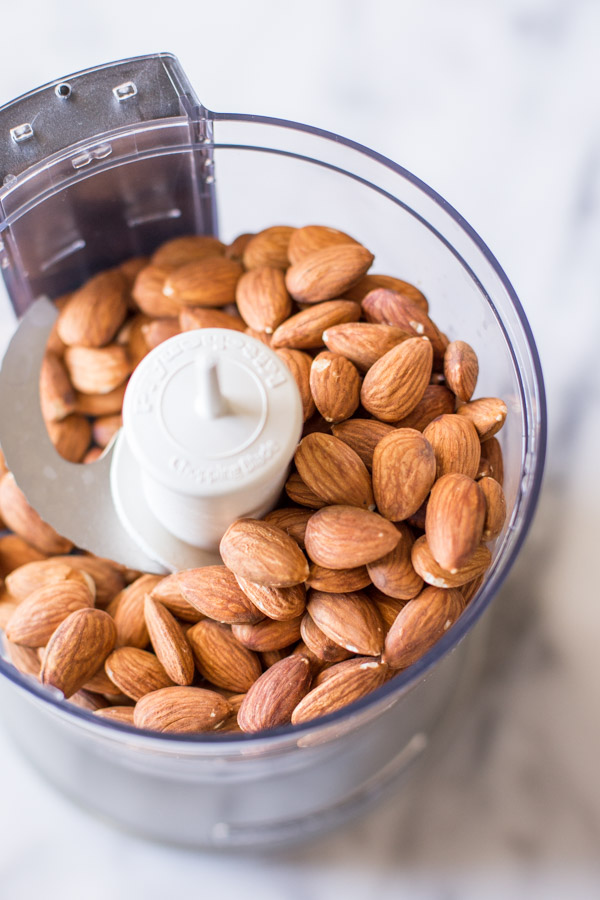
160,330
454,520
363,343
299,492
362,436
394,573
390,308
338,581
436,401
169,642
37,618
342,537
324,648
455,444
188,248
57,396
491,451
235,250
262,298
97,370
206,282
327,273
268,634
132,630
221,658
306,240
89,701
333,471
94,313
420,624
352,680
168,591
100,683
403,473
214,591
181,710
461,368
107,575
25,659
105,428
100,404
276,603
388,607
268,248
147,293
396,382
487,414
21,518
131,268
77,649
495,508
272,699
15,552
191,318
299,364
304,331
263,553
291,520
121,714
367,284
335,386
71,437
432,573
136,672
22,582
469,589
351,620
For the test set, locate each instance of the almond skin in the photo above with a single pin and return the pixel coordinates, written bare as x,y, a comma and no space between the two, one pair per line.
342,537
221,658
455,445
235,250
335,386
454,520
263,553
390,308
320,645
214,591
352,680
420,624
495,508
206,282
272,699
147,293
487,414
394,573
22,582
338,581
299,492
491,451
299,365
388,607
132,630
461,368
305,241
268,634
305,330
109,404
432,573
262,298
15,552
367,284
21,518
168,592
105,428
291,520
181,710
403,473
363,343
121,714
107,576
362,436
185,249
160,330
436,401
351,620
395,383
136,672
327,273
169,642
97,370
77,649
25,659
57,396
94,313
71,437
333,471
36,618
276,603
191,318
269,248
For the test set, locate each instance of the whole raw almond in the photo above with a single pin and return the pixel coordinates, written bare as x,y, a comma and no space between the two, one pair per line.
109,404
403,473
491,451
268,634
367,284
123,715
22,582
191,318
169,642
461,368
455,445
181,710
136,672
57,396
394,573
275,602
272,699
263,553
168,592
454,520
349,682
420,624
221,658
148,293
495,508
270,657
160,330
299,492
351,620
363,343
396,382
388,607
188,248
333,471
129,616
262,298
71,437
306,240
15,552
107,575
25,659
436,401
268,248
432,573
36,618
327,273
105,428
291,520
362,436
94,313
130,269
487,414
77,649
304,331
324,648
299,365
390,308
86,700
235,250
97,370
22,518
214,591
8,606
100,683
335,386
342,537
207,282
470,589
338,581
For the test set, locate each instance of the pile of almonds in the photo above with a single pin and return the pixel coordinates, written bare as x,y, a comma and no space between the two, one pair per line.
374,552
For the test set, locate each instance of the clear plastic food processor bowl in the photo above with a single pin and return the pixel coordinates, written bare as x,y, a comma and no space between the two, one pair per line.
108,163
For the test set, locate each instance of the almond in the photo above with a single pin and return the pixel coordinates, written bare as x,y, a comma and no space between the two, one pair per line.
57,396
262,298
292,521
362,436
390,308
15,551
431,571
21,518
185,249
92,455
454,520
420,624
388,607
263,553
305,241
131,268
363,343
495,508
304,331
395,383
94,313
394,573
491,451
181,710
261,336
97,370
487,414
461,369
327,273
455,445
335,386
299,492
299,365
221,658
168,592
337,581
77,649
71,437
270,657
154,333
106,575
333,471
129,617
351,620
109,404
272,699
235,250
148,293
324,648
123,715
8,606
316,664
86,700
105,428
214,591
352,680
342,537
22,582
24,659
268,634
191,318
367,284
269,248
136,672
207,282
469,590
403,473
436,401
274,602
169,642
100,683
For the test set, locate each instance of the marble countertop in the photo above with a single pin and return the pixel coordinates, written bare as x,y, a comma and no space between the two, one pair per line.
495,105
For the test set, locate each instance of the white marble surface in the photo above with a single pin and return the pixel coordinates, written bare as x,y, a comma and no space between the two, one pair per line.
495,105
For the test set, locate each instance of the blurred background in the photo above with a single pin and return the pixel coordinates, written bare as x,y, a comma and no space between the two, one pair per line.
495,105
